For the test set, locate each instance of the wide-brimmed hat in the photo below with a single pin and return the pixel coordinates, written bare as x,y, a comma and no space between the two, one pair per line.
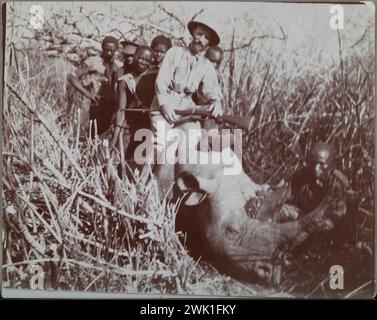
128,43
214,37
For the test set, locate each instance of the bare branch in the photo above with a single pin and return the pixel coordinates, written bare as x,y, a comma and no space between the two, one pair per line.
171,15
94,25
146,25
361,38
196,14
250,42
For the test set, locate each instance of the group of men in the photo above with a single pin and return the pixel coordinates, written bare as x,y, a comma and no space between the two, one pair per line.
162,79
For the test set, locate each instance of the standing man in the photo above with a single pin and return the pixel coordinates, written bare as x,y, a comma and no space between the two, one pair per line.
215,55
160,45
98,74
128,50
182,72
128,98
143,94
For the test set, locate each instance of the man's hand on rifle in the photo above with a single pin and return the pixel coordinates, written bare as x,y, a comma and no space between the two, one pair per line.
168,113
216,109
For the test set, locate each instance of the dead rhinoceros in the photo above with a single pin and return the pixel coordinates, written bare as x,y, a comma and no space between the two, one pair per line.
221,228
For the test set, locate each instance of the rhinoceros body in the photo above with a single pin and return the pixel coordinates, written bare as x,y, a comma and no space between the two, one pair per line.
221,229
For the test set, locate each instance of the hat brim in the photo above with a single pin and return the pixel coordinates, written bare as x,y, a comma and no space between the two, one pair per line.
128,43
214,37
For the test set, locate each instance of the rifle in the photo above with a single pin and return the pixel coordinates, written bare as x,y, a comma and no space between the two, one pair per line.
243,122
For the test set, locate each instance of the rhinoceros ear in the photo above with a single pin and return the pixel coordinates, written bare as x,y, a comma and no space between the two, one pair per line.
188,187
208,185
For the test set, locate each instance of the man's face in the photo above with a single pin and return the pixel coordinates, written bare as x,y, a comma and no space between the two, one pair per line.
108,50
143,59
321,166
215,57
200,39
128,54
159,53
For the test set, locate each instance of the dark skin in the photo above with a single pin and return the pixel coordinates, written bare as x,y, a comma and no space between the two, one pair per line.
108,51
311,183
142,60
320,165
128,55
159,52
215,56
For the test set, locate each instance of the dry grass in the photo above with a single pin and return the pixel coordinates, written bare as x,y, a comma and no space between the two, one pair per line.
294,110
66,209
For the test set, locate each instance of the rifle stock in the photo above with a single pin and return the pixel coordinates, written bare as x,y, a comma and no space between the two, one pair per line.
245,123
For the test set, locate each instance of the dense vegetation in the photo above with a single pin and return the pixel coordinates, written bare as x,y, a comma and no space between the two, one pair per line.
66,209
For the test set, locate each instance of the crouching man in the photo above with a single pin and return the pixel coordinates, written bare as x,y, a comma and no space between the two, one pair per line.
311,183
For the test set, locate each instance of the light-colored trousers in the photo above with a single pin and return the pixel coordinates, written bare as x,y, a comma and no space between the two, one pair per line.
173,146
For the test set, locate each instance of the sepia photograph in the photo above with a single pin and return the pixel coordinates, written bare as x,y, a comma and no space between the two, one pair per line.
189,149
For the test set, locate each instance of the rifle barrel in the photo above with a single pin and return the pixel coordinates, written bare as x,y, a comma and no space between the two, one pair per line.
243,122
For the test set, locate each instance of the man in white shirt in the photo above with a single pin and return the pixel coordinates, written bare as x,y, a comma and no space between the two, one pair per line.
182,72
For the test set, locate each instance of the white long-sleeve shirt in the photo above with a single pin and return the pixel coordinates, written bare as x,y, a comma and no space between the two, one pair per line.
181,74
